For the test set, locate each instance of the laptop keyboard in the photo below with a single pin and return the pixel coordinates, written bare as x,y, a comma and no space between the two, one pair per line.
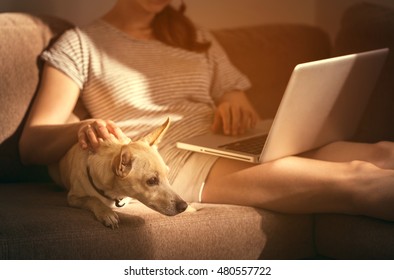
252,145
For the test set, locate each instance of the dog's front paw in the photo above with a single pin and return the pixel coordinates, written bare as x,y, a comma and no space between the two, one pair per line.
108,218
190,209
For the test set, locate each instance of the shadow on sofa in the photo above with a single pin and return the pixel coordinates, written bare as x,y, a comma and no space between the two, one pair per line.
36,223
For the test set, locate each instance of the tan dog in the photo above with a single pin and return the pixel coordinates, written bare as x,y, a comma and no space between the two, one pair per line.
116,172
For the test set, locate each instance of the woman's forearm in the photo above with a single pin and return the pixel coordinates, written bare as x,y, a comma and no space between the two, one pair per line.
46,144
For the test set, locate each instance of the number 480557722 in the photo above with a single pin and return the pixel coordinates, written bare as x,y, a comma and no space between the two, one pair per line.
244,270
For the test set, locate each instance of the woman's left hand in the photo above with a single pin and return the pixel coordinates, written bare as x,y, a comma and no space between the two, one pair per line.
234,114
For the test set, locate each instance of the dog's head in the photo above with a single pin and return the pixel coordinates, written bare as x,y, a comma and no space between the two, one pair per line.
139,171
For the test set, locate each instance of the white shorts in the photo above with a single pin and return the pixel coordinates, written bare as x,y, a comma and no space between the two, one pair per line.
190,180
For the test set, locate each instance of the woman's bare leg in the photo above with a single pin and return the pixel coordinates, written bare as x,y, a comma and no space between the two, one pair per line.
380,154
303,185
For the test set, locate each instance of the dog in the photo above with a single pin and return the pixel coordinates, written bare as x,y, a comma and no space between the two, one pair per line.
118,171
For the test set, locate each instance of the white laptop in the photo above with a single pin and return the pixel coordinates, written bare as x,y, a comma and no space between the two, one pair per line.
323,102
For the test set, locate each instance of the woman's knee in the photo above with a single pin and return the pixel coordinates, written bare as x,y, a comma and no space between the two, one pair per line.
383,152
385,147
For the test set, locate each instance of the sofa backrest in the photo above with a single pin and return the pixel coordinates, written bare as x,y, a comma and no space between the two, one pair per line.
267,54
367,26
22,39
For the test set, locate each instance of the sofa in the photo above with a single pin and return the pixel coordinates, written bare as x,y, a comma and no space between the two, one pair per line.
36,222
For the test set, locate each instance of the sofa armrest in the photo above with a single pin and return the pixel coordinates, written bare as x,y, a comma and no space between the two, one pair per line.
22,38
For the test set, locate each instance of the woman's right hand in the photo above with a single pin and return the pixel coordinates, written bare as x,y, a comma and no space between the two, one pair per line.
94,129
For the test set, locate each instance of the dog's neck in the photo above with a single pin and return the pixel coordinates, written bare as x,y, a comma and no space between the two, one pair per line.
101,192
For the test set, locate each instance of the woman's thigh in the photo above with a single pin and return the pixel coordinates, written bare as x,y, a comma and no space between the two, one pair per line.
291,184
325,180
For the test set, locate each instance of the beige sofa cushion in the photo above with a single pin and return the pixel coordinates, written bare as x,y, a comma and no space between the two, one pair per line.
22,38
367,26
268,60
354,237
37,223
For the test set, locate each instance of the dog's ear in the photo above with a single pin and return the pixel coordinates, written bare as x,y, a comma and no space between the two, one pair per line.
156,135
123,163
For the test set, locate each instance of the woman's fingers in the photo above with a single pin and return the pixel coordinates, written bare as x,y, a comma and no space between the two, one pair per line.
217,124
115,130
90,133
225,114
101,129
82,139
222,120
92,136
233,120
88,138
249,121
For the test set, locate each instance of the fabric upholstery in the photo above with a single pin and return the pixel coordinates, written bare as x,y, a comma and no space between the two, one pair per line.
22,39
367,26
38,224
349,237
269,60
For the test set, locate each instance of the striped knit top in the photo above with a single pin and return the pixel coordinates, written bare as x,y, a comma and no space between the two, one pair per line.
139,83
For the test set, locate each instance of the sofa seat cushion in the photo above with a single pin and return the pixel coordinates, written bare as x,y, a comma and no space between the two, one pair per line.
36,223
354,237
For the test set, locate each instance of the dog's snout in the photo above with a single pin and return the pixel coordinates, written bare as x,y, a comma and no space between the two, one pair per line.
181,206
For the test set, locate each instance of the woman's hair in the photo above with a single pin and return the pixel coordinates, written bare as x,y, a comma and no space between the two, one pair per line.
173,28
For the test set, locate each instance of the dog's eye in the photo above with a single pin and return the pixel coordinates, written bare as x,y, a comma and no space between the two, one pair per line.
154,181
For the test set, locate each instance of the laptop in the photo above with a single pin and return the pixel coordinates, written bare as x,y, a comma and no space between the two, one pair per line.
323,102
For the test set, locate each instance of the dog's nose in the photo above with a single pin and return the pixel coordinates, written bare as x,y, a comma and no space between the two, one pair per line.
181,206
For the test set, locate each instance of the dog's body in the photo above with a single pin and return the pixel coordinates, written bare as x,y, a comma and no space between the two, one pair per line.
116,172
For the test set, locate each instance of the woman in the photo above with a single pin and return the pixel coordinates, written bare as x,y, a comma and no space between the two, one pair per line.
144,61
